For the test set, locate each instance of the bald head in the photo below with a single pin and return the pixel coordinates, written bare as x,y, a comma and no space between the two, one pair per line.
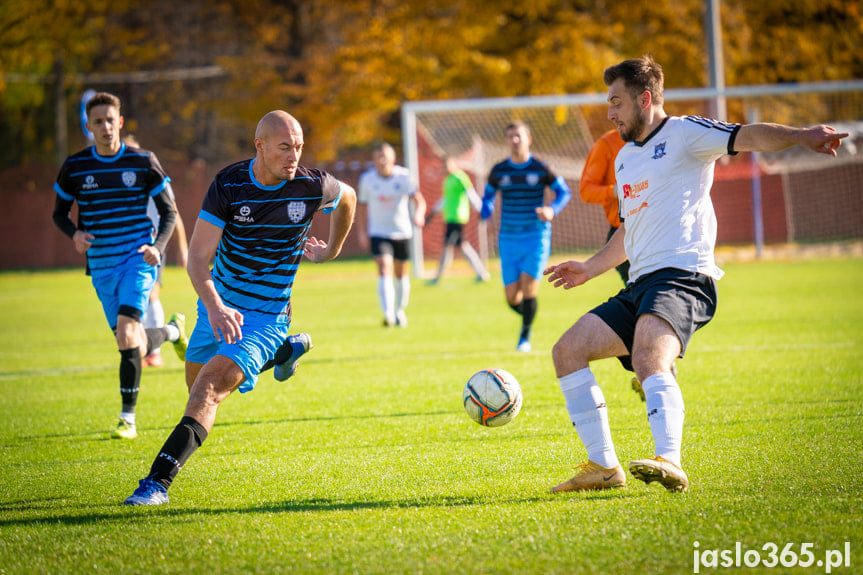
276,121
279,145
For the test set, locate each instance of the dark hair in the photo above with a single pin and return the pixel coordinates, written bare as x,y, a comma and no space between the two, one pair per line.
384,147
103,99
515,124
639,75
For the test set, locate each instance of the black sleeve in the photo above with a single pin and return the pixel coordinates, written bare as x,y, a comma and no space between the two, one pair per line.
167,219
61,216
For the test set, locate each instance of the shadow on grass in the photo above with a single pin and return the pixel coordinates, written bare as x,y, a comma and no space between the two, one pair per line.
100,435
315,505
103,435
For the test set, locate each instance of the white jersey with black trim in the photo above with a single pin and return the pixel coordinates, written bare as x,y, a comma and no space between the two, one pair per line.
663,185
386,200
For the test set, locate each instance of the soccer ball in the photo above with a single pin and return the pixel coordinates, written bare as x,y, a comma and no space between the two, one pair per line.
492,397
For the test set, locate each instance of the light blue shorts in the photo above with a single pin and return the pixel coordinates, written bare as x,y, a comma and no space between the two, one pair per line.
259,344
524,252
127,285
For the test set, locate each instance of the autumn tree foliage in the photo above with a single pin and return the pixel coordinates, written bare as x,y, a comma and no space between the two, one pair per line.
344,67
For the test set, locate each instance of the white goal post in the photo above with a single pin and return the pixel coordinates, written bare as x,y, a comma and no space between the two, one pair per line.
564,128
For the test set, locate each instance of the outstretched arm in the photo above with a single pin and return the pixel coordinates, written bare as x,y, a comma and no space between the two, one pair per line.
763,137
574,273
341,220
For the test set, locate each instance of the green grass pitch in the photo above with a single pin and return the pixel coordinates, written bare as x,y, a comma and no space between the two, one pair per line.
365,462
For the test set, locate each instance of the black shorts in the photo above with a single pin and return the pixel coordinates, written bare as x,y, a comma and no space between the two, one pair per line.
686,300
399,250
453,236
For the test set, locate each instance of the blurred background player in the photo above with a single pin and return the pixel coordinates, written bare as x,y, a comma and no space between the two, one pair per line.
597,185
112,185
456,201
155,314
244,318
524,239
393,207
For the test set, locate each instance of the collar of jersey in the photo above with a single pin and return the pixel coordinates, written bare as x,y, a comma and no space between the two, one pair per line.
523,164
259,184
109,159
653,133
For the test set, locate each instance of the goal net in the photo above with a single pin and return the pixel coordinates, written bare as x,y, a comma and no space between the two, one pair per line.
789,196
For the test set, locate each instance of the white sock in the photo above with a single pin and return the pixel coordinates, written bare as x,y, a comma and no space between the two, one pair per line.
155,314
173,332
128,417
403,292
589,415
386,296
474,260
665,411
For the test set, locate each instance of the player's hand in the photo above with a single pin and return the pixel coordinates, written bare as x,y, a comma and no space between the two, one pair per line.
419,221
82,241
545,213
316,250
151,254
227,322
823,139
568,274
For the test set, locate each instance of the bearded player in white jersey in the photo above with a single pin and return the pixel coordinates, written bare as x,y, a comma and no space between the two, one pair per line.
668,233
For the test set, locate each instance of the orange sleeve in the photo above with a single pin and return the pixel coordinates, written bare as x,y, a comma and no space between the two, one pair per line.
594,187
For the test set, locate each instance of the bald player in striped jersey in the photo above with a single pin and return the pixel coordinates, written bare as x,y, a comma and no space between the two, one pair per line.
253,228
524,239
668,232
113,185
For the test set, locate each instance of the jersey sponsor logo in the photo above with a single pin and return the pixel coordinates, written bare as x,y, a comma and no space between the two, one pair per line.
634,190
634,211
243,217
296,211
659,151
532,179
505,180
90,183
129,179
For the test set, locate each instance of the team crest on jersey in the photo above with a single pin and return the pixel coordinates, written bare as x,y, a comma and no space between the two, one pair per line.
296,211
659,151
532,179
129,179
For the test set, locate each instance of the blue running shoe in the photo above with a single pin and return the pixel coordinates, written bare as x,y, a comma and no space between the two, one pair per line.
300,344
149,492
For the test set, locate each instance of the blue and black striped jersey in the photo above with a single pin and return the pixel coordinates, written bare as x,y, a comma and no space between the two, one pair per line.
522,190
112,194
264,229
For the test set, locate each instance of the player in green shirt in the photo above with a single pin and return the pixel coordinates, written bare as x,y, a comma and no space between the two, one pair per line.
455,203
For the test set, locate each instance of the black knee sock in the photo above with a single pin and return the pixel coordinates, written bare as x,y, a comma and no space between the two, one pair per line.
528,307
130,377
517,307
183,441
156,336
